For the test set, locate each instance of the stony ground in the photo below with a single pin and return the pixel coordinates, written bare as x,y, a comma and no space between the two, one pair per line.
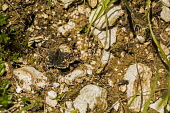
65,66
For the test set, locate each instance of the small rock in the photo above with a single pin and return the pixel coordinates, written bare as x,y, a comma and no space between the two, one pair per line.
65,48
123,88
63,29
140,39
37,39
52,94
92,97
19,89
90,69
105,57
4,7
166,2
113,14
135,73
110,82
30,76
67,2
69,105
168,30
63,88
92,3
83,10
165,49
51,102
106,41
165,14
116,105
45,15
73,76
159,108
55,85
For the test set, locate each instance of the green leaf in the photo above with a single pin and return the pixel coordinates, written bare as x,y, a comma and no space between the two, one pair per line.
2,19
4,38
6,85
2,68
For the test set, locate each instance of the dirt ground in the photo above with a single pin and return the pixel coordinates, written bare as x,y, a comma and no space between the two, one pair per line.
42,19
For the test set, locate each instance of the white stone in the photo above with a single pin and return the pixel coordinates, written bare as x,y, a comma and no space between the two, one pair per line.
168,108
90,69
92,3
18,89
106,41
165,49
67,2
69,105
140,39
168,30
4,7
45,15
30,76
37,39
51,102
134,74
89,72
55,85
110,82
166,2
70,25
31,29
165,14
106,55
116,105
65,48
73,75
123,88
91,96
159,108
113,14
63,88
52,94
83,10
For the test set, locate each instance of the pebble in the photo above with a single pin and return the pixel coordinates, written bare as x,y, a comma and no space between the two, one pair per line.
52,94
105,57
91,97
51,102
165,14
4,7
18,89
140,39
113,14
55,85
156,106
106,41
92,3
166,2
30,76
132,76
69,26
67,2
165,49
69,78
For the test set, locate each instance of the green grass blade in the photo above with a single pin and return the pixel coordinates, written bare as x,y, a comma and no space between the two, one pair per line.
155,40
146,106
